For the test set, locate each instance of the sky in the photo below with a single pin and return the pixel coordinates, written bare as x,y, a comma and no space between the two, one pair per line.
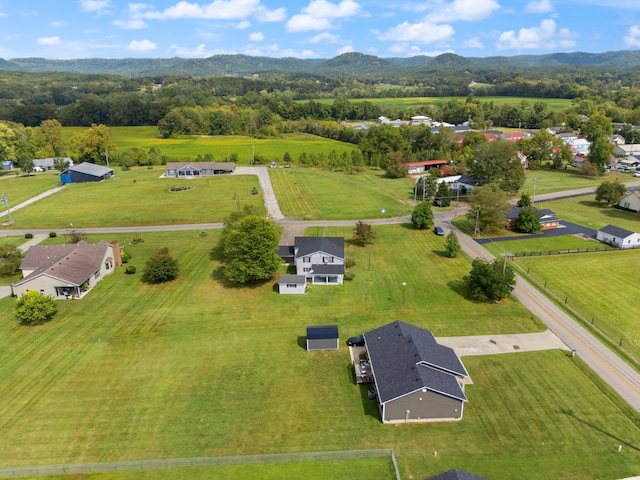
68,29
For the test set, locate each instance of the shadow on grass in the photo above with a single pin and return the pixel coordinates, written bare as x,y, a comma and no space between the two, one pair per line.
302,342
459,287
370,407
218,275
621,441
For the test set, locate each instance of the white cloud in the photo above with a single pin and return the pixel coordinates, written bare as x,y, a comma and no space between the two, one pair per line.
56,24
199,52
244,24
49,41
545,36
539,6
421,33
324,37
131,24
3,15
141,46
216,10
407,50
277,15
345,49
632,38
468,10
322,15
473,43
256,37
94,5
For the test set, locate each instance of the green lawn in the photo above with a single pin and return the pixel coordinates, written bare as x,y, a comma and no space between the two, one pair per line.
221,147
199,368
303,193
542,244
549,181
21,188
586,211
140,197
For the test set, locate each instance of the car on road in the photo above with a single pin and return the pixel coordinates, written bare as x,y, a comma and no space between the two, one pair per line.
357,341
438,231
636,174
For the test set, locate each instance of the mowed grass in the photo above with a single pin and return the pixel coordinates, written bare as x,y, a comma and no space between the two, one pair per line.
199,368
549,181
140,197
21,188
321,195
220,146
584,210
601,286
401,103
537,243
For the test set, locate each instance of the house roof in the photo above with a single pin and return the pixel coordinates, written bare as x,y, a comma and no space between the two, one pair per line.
426,163
456,475
616,231
72,263
201,165
309,245
91,169
286,251
298,279
48,162
322,332
327,269
406,358
467,180
543,213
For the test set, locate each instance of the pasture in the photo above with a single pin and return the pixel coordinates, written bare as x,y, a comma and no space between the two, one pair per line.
221,147
304,193
140,197
197,367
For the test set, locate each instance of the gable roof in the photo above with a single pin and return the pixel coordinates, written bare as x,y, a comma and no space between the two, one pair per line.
425,163
543,213
322,332
288,278
406,358
616,231
201,165
91,169
72,263
456,475
48,162
308,245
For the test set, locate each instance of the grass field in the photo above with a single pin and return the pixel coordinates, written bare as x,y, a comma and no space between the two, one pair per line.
586,211
140,197
221,147
199,368
21,188
303,193
402,103
549,181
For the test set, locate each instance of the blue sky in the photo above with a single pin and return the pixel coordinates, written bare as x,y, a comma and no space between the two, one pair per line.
66,29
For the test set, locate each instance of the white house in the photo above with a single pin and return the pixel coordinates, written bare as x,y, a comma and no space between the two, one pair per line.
618,237
630,201
628,150
47,164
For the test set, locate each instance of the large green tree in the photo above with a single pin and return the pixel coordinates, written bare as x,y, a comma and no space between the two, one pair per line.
610,192
422,216
490,281
597,131
498,162
93,144
35,309
529,221
488,203
50,139
249,250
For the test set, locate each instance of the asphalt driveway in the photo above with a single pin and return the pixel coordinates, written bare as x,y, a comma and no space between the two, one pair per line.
566,228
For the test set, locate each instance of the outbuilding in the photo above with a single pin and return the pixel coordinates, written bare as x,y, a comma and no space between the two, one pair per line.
86,172
618,237
292,284
323,337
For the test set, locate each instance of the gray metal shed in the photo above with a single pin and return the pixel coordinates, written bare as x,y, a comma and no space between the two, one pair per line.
324,337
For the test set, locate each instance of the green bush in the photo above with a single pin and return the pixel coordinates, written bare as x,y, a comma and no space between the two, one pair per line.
53,234
125,257
348,276
28,235
130,270
349,262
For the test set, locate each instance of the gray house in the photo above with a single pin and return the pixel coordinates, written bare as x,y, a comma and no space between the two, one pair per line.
416,378
319,259
198,169
48,164
324,337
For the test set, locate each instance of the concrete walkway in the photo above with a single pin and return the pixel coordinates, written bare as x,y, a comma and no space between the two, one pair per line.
51,191
510,343
269,195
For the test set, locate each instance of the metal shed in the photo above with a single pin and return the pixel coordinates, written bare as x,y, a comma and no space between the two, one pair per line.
324,337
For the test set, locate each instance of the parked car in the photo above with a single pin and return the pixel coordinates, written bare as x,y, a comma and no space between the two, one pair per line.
636,174
438,231
357,341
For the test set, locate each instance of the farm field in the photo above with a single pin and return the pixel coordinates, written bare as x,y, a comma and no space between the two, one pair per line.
303,193
221,147
140,197
401,103
199,368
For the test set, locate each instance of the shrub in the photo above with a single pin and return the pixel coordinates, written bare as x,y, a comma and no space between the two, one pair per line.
348,276
35,309
53,234
160,268
137,239
125,257
130,270
28,235
349,262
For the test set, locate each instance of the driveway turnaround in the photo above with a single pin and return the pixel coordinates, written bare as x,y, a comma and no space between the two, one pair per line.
510,343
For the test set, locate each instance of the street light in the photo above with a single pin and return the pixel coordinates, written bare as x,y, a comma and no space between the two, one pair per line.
5,202
404,284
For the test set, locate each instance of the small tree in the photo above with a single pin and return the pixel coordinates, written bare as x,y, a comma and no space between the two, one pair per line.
443,195
60,164
35,309
286,158
10,260
395,165
490,281
160,268
525,200
76,236
427,185
27,166
452,245
529,221
363,233
422,216
610,192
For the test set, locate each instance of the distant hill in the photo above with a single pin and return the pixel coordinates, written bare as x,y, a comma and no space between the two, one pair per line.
348,64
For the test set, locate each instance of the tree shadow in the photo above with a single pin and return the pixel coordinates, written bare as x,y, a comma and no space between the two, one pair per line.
460,288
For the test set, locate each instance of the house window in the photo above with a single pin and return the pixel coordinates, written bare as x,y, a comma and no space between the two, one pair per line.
291,285
306,269
327,259
306,259
97,274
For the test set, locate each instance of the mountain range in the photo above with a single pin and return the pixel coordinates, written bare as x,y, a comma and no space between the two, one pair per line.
348,64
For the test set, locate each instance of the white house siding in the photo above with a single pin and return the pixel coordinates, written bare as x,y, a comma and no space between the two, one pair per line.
304,264
291,288
630,201
630,241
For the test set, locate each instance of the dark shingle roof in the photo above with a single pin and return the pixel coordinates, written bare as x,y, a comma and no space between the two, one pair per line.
616,231
406,358
330,245
456,475
514,213
322,332
285,251
73,263
327,269
292,279
91,169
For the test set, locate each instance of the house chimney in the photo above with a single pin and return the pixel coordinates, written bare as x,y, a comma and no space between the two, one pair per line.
117,258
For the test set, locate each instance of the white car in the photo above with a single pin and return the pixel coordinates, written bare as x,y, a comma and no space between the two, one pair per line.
636,174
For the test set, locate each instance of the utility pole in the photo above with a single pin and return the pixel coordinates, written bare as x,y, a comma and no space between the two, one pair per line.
477,229
5,202
533,200
106,154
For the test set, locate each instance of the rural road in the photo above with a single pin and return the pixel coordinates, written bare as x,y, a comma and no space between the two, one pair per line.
613,370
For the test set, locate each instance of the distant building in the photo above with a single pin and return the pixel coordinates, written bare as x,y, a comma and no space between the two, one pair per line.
86,172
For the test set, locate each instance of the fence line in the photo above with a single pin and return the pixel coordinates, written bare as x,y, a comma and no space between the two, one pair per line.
104,467
542,253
